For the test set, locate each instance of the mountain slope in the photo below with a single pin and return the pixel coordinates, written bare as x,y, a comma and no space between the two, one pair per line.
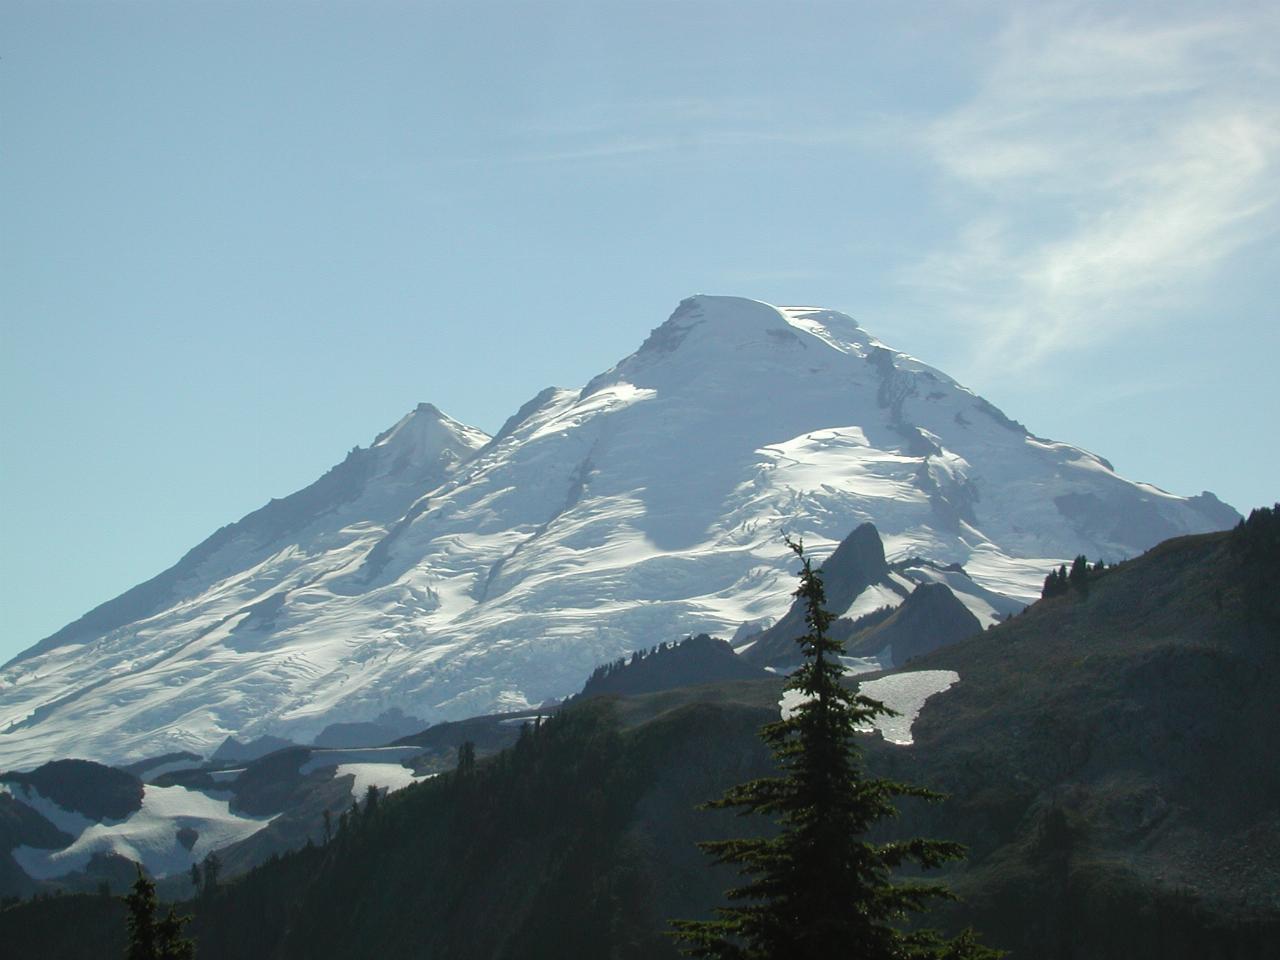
931,618
697,660
447,574
1120,745
1111,759
372,486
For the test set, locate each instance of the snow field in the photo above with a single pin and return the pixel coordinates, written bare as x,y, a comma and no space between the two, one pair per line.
148,836
872,599
448,576
385,776
904,693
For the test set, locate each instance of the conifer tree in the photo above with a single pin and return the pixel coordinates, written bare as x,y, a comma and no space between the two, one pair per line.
211,868
819,889
171,945
1055,584
1050,587
141,902
466,759
149,940
1079,576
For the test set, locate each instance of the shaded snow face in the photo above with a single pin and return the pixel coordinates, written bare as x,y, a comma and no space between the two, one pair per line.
148,836
449,574
903,693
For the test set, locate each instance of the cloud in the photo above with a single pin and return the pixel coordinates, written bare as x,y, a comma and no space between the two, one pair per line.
668,128
1100,168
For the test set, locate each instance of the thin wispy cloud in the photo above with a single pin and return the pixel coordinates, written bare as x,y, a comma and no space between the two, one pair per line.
671,129
605,116
1102,168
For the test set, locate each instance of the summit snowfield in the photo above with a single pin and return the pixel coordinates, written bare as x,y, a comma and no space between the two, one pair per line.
449,573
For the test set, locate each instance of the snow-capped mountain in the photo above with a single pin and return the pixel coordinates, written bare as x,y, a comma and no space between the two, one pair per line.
448,573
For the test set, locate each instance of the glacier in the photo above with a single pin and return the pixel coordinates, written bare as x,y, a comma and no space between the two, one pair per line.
448,573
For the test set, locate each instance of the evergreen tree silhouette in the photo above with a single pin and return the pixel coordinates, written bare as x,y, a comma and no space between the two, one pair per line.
211,868
141,902
149,940
1055,584
466,759
171,945
819,889
1079,576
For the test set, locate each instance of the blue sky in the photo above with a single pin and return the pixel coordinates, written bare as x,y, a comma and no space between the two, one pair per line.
237,239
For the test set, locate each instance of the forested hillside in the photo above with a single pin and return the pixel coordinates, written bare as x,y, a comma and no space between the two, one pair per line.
1112,758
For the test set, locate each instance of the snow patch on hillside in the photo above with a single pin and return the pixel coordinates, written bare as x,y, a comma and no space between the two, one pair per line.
385,776
371,756
903,693
148,836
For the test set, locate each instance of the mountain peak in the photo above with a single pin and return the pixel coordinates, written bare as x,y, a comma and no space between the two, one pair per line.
425,434
750,337
720,316
447,574
738,322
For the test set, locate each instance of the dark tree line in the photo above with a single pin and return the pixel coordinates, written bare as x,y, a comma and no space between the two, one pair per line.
205,875
1062,581
609,669
1256,543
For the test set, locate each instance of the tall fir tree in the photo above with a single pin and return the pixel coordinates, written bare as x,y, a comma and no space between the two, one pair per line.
149,939
1079,575
210,870
171,945
141,902
1055,584
466,759
819,889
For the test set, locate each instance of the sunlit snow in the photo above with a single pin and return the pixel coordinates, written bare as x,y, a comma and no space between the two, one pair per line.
385,776
904,693
873,598
449,575
376,766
